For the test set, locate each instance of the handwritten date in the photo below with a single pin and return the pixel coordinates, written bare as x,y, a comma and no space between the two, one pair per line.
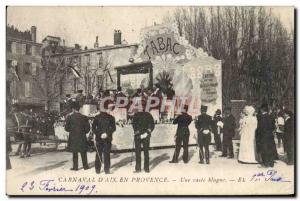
48,185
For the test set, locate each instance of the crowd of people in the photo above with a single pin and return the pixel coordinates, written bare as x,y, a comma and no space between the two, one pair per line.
257,129
26,126
123,101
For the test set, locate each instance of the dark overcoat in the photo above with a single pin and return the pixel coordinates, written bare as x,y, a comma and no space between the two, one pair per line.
104,123
142,122
265,138
289,133
78,126
183,122
203,122
228,127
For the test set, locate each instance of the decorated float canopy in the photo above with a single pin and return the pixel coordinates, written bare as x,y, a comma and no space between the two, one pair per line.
178,66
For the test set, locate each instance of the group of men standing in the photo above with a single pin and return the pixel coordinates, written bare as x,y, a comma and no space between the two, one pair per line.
103,127
205,125
266,127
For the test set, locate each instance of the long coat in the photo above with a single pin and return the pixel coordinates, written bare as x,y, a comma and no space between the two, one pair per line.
289,135
183,122
78,126
203,122
265,139
104,123
142,122
229,127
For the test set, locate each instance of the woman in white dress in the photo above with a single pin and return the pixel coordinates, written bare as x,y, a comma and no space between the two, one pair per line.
248,125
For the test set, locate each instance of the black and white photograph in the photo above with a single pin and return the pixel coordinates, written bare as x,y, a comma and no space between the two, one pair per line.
150,100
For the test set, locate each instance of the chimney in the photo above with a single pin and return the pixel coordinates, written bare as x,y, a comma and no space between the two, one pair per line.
117,37
77,46
96,44
33,33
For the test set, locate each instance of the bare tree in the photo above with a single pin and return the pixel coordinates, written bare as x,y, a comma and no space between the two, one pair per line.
256,50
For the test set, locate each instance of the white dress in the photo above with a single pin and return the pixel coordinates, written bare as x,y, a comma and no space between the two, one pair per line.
247,152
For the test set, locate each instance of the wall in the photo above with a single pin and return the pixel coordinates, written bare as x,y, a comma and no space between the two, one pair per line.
18,53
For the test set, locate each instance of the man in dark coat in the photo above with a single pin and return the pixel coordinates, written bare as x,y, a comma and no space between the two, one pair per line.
103,127
49,123
217,129
265,138
228,133
143,125
288,138
78,126
182,135
27,129
203,126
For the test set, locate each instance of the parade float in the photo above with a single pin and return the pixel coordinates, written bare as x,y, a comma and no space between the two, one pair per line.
191,72
164,57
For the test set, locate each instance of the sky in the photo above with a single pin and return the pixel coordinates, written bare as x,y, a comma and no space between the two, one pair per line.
82,24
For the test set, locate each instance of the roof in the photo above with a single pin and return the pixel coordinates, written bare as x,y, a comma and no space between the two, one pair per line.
108,47
8,38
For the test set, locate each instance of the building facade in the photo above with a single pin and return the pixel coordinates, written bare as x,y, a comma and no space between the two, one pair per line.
23,67
87,69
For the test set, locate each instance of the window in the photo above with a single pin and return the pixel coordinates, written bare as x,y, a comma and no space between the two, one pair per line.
33,69
9,46
27,89
28,49
27,67
87,59
100,59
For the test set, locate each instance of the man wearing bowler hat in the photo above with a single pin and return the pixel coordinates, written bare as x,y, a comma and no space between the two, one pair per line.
203,126
78,126
143,125
182,135
103,126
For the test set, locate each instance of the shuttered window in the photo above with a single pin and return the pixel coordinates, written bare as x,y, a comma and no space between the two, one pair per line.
27,89
33,69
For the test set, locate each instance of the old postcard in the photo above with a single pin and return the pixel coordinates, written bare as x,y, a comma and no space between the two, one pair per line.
150,101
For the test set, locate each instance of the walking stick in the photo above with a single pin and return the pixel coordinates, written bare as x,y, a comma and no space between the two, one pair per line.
132,150
95,145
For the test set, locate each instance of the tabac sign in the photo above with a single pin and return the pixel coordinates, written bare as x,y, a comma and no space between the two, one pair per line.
160,40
